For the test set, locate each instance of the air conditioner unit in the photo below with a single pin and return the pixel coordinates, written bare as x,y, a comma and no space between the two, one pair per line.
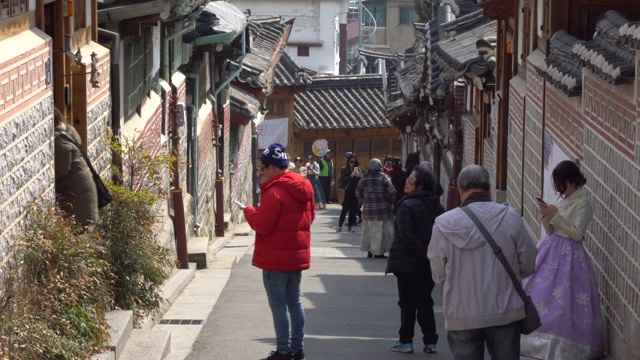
187,51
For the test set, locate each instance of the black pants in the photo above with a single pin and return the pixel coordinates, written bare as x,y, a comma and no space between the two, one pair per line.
325,181
415,302
350,206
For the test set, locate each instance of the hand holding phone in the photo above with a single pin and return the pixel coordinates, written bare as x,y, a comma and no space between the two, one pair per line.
242,206
541,201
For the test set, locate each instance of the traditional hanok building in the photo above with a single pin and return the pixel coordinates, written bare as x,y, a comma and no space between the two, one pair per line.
432,91
50,59
348,112
567,87
256,78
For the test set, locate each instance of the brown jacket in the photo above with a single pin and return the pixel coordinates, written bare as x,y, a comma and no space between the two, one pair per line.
75,190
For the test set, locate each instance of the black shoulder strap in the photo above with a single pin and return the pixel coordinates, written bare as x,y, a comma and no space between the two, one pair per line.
496,250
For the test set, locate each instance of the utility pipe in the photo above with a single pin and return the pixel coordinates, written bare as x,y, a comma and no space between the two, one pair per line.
228,80
178,202
166,73
194,145
116,84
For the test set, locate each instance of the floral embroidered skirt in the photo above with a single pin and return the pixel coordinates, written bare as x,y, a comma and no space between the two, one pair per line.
565,292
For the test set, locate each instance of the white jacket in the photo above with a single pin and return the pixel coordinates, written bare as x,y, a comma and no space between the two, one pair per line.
478,293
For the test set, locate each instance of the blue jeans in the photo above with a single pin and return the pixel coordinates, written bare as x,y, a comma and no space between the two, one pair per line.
503,342
283,292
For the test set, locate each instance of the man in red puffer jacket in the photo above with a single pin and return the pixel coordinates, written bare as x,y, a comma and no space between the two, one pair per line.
283,246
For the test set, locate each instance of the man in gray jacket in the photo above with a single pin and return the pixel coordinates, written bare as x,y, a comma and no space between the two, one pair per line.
481,305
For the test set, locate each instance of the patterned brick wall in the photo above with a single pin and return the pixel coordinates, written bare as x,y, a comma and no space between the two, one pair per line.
514,145
26,129
469,130
179,81
564,120
206,171
613,180
532,149
242,180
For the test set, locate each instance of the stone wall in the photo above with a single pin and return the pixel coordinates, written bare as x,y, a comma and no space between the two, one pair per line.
26,166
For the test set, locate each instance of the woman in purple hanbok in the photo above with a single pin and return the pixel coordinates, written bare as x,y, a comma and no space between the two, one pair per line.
563,286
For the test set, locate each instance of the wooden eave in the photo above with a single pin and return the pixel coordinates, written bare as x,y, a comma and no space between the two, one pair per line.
499,9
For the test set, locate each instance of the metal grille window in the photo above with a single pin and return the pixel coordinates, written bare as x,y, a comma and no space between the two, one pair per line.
138,55
9,8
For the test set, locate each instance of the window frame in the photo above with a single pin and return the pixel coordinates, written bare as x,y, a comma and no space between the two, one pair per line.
13,8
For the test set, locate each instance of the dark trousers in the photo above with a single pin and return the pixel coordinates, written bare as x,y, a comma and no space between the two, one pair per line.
350,206
325,181
503,342
415,302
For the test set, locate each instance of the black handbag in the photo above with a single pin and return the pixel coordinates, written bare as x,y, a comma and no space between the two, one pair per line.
532,319
104,198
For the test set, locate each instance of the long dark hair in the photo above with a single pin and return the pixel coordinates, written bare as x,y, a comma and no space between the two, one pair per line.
567,172
356,164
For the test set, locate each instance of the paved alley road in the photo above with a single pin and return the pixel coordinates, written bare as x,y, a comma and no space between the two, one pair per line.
350,306
349,303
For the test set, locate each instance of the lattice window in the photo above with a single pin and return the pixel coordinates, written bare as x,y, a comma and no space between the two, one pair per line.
9,8
527,28
547,27
138,52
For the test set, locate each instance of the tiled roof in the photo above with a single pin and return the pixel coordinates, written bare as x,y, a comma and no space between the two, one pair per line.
606,55
472,50
341,102
288,73
369,61
243,103
450,22
561,67
267,34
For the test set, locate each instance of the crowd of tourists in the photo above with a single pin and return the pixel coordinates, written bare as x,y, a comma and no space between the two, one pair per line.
501,292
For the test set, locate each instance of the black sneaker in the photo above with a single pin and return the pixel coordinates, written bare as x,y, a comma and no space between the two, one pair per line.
299,355
359,221
275,355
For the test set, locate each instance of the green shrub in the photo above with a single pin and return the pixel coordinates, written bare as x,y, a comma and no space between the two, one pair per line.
55,290
138,263
128,226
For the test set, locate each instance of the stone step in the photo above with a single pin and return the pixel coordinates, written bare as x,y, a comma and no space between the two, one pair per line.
120,327
147,344
170,291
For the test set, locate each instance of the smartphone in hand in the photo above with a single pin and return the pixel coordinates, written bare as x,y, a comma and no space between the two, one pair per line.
239,203
541,201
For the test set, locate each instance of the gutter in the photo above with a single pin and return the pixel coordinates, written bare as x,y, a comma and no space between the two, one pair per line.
116,84
235,74
166,73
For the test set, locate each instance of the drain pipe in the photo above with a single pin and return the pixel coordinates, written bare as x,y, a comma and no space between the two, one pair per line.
235,74
178,202
166,73
219,182
116,84
194,146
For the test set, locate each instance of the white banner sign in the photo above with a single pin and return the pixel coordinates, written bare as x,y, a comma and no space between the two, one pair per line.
273,131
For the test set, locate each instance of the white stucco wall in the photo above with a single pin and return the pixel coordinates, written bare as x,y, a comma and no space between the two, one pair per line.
316,23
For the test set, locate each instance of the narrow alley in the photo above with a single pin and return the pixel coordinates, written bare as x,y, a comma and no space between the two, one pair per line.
350,306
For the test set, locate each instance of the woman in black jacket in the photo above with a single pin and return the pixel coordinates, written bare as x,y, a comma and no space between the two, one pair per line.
415,215
350,175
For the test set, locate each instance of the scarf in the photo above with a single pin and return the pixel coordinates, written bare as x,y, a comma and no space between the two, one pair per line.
479,196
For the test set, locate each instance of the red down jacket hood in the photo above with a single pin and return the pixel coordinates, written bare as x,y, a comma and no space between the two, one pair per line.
283,223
